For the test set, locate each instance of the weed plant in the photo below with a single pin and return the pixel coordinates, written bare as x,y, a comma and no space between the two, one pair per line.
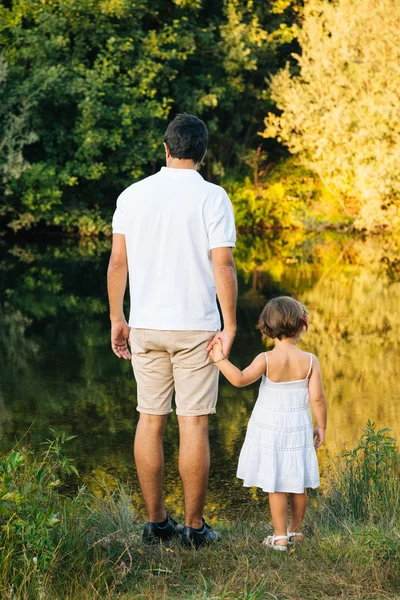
365,481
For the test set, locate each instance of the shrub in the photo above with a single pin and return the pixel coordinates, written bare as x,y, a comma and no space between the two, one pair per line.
290,198
30,507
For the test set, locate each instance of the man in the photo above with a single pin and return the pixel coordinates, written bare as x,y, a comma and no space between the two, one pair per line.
174,232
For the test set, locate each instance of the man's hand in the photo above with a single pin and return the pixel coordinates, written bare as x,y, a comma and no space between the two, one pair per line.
227,338
119,335
216,353
226,287
116,283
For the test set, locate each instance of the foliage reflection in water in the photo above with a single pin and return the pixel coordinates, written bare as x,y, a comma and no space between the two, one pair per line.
58,370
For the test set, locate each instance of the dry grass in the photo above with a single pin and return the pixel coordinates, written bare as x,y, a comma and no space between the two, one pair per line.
331,563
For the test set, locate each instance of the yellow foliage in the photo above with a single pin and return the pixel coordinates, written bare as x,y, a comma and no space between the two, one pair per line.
341,112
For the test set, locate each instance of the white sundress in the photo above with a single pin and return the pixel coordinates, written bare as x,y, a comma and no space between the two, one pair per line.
278,454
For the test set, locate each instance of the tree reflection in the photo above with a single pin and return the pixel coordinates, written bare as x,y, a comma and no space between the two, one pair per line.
58,369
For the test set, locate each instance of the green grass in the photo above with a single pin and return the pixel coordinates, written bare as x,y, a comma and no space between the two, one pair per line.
81,548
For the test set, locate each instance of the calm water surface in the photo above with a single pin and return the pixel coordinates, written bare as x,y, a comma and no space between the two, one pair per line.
57,369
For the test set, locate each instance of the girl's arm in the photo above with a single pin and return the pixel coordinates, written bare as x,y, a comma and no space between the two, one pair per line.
318,402
233,374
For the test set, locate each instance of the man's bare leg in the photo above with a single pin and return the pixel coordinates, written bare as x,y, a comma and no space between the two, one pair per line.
149,458
194,466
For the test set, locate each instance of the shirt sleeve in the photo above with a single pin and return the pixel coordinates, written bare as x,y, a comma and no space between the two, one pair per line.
119,221
221,228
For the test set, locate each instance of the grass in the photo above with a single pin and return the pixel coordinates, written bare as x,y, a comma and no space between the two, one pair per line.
85,548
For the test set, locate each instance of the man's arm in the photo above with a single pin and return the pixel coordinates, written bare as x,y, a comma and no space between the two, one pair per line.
116,283
227,291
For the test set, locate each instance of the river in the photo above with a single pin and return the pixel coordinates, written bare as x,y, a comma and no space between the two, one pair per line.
58,371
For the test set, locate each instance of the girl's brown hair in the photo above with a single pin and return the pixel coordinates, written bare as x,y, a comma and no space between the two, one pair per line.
282,317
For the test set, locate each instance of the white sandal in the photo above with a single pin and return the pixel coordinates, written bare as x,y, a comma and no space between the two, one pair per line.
271,539
291,534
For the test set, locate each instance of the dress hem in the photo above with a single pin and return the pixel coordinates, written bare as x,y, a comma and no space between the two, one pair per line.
272,489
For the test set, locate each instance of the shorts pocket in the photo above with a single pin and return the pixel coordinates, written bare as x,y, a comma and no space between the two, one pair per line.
192,353
137,339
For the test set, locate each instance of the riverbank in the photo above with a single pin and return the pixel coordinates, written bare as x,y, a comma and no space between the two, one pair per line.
84,547
286,196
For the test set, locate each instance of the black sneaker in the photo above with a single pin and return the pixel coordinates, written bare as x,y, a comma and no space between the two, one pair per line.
154,533
195,538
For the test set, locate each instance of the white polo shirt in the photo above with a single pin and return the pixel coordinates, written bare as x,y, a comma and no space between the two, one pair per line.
171,221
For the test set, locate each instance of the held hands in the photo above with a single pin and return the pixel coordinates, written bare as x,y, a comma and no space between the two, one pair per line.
319,436
226,337
119,335
216,353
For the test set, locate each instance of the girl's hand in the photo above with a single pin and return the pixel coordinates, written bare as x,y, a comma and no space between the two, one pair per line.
216,352
319,436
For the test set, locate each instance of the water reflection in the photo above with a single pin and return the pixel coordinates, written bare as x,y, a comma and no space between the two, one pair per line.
57,369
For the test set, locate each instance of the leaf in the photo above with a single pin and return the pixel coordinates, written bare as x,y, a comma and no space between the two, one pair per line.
53,520
14,460
13,497
54,483
40,475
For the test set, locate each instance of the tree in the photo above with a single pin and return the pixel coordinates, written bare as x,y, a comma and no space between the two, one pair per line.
14,132
103,78
340,109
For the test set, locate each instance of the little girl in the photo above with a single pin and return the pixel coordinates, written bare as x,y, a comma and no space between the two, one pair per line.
278,454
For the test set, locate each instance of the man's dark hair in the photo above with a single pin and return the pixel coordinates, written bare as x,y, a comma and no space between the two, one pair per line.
186,137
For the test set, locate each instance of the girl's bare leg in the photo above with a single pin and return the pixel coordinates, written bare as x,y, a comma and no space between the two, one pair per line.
278,506
298,505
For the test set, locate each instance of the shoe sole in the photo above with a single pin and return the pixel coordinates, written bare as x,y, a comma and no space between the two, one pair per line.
155,539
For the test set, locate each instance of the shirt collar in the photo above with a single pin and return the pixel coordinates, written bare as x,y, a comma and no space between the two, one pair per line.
171,172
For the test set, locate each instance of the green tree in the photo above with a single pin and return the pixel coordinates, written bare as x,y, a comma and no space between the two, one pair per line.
97,81
14,132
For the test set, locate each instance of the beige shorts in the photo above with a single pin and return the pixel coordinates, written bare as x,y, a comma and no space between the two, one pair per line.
166,360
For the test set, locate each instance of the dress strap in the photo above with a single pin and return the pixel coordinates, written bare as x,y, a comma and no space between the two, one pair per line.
266,360
309,370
